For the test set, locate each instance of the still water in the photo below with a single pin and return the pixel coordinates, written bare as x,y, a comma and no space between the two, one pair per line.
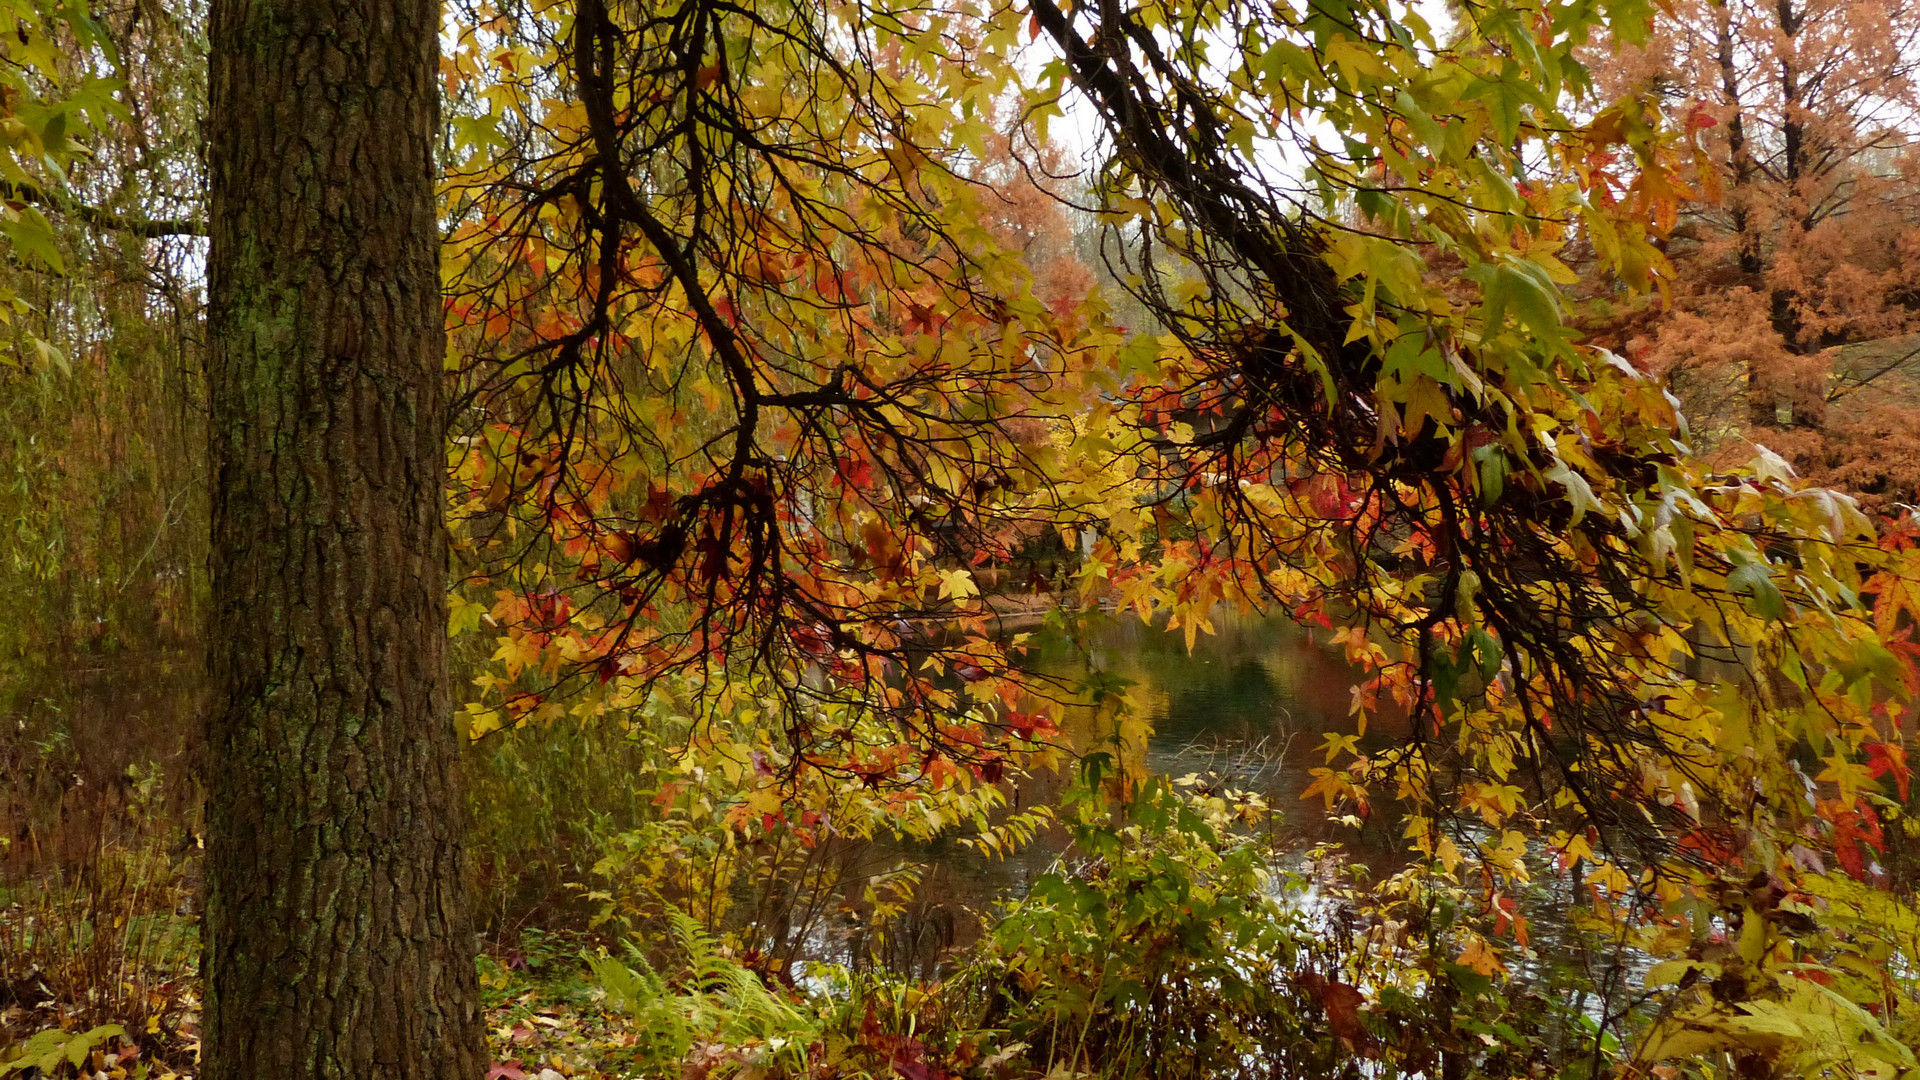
1247,706
1249,703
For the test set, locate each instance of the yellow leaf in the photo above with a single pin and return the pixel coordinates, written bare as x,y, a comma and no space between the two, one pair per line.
765,801
1354,60
1482,958
957,584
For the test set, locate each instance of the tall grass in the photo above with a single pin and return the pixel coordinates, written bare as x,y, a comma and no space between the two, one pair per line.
108,939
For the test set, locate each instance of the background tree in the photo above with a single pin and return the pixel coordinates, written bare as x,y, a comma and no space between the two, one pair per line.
1792,275
337,936
100,402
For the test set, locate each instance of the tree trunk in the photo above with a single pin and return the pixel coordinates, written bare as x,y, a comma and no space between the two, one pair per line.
1762,411
337,939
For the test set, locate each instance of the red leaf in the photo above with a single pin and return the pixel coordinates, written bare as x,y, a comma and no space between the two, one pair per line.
1884,758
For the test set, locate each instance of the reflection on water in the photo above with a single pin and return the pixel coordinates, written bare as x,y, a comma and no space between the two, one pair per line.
1249,704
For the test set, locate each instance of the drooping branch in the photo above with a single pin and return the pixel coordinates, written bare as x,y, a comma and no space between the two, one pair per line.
95,217
1560,616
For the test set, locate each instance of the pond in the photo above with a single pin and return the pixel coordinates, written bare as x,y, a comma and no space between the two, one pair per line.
1249,705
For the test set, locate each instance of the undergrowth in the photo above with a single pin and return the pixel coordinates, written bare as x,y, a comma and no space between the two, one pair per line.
105,946
1176,938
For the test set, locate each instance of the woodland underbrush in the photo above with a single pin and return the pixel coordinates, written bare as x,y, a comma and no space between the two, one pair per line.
1168,942
104,943
644,917
638,923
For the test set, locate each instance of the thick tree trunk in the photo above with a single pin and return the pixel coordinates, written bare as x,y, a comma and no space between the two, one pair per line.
337,940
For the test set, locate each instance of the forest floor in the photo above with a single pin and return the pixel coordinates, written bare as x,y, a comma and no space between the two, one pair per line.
541,1025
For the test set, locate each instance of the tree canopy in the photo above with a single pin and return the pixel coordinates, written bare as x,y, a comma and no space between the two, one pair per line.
757,379
746,381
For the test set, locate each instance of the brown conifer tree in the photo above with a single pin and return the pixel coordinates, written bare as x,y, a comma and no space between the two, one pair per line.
1795,277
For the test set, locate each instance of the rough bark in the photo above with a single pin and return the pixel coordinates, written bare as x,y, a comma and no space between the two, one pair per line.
338,943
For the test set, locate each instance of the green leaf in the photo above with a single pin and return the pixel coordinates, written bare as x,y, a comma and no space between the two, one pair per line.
1755,582
1492,464
51,356
31,235
1503,106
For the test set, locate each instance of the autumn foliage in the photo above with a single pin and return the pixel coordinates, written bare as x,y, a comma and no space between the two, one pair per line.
1789,316
1510,354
